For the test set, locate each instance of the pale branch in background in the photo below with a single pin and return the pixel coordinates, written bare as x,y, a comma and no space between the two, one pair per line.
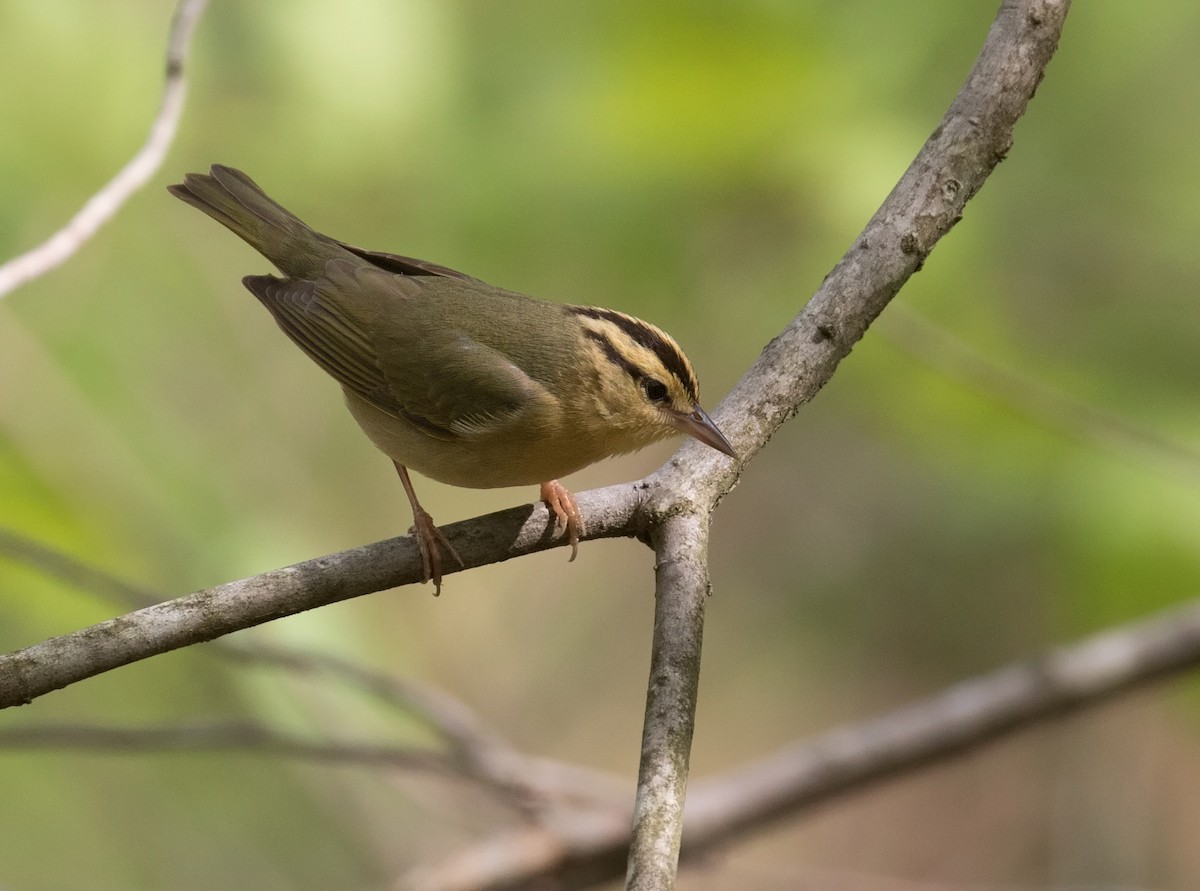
228,736
476,751
541,790
583,833
103,206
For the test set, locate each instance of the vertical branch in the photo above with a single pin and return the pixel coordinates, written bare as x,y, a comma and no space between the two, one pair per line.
682,588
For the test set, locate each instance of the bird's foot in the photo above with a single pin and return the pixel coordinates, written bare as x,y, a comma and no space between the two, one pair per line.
567,517
430,539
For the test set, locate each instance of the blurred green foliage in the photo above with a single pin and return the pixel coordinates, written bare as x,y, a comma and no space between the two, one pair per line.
700,164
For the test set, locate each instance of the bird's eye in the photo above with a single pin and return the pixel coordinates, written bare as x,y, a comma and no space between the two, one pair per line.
656,391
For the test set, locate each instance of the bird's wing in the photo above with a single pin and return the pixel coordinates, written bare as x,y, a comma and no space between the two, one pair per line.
371,332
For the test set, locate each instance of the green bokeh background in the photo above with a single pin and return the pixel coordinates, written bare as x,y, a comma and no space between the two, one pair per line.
699,164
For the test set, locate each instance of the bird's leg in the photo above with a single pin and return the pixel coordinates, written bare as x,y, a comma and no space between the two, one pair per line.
428,536
566,512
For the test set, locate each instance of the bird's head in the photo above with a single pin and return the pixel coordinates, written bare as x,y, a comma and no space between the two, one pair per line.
646,389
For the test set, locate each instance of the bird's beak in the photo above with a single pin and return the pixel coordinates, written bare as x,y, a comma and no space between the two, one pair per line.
701,426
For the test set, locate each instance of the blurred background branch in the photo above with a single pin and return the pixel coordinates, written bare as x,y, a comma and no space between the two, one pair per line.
216,736
725,809
102,206
581,816
472,749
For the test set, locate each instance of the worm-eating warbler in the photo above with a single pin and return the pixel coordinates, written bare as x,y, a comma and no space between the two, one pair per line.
462,381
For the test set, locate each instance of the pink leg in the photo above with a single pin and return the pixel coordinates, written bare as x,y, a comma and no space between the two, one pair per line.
429,537
567,516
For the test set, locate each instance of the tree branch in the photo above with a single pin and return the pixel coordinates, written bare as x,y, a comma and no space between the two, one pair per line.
103,206
214,612
682,573
967,717
972,138
541,787
542,790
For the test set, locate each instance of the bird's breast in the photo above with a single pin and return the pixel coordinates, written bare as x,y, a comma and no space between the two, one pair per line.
539,445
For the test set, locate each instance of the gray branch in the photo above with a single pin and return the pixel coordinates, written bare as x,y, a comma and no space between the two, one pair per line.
973,137
800,776
681,544
234,606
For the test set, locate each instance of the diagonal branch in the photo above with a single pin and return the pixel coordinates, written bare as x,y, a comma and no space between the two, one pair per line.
233,606
103,206
473,749
542,787
972,138
962,718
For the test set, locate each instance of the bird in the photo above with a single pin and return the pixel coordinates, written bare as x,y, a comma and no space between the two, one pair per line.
462,381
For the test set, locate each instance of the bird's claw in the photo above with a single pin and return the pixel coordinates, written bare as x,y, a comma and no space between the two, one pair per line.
429,541
567,518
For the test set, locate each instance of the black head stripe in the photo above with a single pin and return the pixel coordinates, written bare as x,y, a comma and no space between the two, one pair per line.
613,356
641,333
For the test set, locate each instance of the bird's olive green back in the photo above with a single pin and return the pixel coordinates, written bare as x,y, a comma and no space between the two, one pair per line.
444,352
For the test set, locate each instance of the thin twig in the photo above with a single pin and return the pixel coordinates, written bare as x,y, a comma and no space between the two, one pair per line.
103,206
446,716
478,752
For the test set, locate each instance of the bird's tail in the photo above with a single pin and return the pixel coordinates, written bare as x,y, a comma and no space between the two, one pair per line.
235,201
